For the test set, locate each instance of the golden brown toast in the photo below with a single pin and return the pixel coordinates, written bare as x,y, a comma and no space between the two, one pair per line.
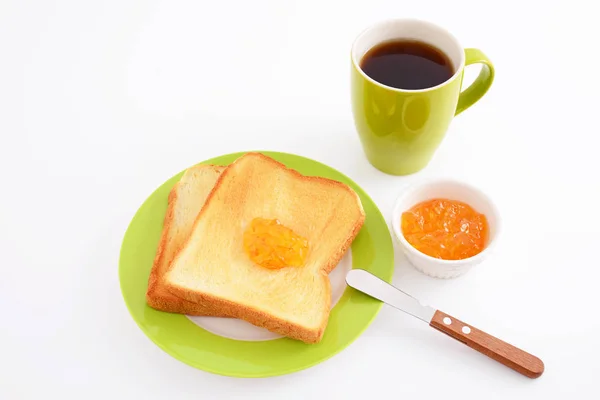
213,269
185,202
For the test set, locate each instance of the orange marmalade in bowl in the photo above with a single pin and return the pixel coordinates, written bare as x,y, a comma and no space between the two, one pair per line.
445,229
272,245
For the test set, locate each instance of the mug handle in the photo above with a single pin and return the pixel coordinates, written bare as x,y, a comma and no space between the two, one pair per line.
480,86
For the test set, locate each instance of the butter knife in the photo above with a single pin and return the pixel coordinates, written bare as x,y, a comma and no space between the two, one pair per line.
505,353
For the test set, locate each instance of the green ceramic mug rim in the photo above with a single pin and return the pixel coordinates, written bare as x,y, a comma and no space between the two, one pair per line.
430,26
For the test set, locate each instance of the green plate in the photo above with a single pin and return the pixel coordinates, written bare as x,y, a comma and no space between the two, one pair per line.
178,336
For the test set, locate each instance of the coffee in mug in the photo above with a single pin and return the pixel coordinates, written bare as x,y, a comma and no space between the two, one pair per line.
406,85
407,64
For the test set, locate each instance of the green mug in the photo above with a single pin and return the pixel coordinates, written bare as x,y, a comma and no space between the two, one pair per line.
400,130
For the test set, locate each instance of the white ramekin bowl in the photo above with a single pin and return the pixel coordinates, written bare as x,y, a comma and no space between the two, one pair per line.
453,190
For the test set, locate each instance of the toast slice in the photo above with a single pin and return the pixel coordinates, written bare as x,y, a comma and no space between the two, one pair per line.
185,202
214,270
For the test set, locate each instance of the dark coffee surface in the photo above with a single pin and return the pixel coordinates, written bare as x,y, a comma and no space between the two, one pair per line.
407,64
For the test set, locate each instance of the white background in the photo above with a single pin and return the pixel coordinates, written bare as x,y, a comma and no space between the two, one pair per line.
101,102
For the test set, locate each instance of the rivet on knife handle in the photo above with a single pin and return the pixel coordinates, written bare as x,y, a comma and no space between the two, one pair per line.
509,355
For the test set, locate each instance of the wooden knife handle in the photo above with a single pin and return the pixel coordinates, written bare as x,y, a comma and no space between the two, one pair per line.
515,358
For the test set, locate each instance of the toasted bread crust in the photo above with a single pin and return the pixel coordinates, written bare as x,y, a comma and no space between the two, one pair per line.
224,307
157,296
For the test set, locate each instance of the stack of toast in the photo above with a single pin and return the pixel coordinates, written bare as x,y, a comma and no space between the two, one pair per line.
201,266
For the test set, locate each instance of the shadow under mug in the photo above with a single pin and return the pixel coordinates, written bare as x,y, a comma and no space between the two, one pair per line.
400,130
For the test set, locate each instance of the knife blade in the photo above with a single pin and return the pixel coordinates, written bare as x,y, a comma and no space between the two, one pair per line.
381,290
503,352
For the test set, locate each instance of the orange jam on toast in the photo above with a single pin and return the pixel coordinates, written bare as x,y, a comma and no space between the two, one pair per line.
445,229
272,245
